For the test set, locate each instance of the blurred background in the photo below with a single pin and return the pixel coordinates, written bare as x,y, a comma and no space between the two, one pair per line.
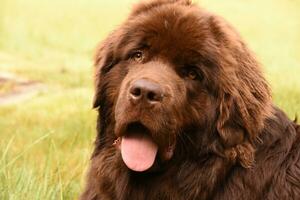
47,125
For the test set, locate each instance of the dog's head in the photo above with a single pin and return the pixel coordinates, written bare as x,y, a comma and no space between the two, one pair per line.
176,78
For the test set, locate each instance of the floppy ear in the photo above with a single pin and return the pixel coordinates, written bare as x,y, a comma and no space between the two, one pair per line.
103,60
244,97
242,111
232,129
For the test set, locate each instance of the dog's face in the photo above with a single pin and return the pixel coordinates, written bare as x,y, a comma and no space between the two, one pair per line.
172,72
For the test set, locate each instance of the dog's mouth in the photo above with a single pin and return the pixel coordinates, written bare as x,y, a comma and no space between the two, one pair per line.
138,149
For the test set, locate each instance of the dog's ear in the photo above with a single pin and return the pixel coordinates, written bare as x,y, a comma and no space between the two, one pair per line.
244,97
242,112
103,61
232,126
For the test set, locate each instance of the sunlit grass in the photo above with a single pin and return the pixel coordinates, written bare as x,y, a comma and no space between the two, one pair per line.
46,141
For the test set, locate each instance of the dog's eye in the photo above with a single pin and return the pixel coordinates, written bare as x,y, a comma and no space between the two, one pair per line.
192,74
137,56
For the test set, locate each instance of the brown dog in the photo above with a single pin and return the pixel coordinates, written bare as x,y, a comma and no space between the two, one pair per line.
185,113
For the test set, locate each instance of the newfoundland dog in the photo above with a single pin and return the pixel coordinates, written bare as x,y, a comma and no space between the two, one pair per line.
186,114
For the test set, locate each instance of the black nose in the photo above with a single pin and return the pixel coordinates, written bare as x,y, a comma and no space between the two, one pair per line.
146,90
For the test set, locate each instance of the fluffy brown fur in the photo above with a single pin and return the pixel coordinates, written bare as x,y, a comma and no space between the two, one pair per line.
228,140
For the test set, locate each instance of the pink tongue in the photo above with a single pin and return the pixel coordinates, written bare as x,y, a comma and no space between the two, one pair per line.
138,151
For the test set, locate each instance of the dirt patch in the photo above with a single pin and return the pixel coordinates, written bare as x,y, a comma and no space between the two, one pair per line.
14,89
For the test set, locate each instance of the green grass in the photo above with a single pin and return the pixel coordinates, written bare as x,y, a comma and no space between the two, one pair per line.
46,141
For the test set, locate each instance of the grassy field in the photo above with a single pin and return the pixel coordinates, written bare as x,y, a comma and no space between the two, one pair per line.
46,141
